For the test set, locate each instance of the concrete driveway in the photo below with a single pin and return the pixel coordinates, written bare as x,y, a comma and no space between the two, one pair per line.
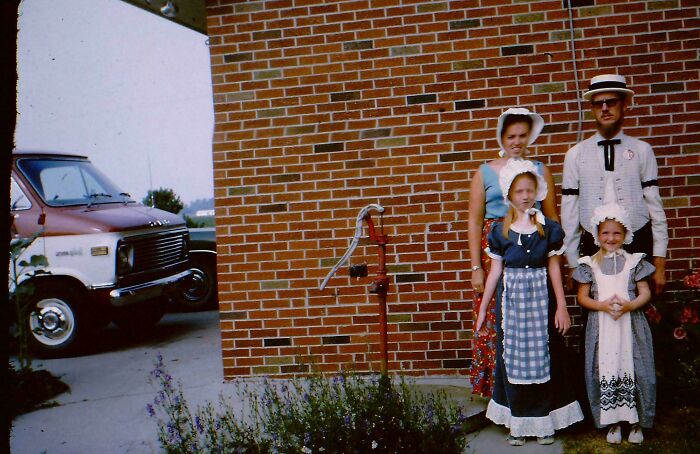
105,412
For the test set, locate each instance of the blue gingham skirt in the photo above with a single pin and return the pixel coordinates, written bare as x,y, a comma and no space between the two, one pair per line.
525,315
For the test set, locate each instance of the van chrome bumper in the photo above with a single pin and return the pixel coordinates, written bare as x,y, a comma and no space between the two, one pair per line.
146,291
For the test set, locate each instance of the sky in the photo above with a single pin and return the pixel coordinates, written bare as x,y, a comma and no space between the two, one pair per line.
121,85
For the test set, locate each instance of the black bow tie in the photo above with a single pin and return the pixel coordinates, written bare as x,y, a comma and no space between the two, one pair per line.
609,153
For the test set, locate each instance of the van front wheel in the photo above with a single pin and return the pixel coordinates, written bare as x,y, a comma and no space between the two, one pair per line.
55,323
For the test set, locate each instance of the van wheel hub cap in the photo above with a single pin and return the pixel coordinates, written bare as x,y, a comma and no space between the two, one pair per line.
52,320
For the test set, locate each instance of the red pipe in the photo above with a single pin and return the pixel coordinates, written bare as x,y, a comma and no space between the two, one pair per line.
380,286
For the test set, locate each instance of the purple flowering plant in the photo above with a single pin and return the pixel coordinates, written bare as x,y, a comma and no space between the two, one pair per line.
347,413
181,430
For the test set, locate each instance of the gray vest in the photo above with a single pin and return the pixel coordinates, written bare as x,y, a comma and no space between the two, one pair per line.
628,180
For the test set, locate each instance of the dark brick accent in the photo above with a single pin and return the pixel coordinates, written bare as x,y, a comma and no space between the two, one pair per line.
241,190
432,7
267,34
303,129
421,99
517,50
667,87
446,326
456,363
328,147
243,56
577,3
402,278
461,24
358,164
405,50
248,7
294,368
414,327
454,157
358,45
277,342
267,74
238,315
345,96
471,104
335,340
375,133
273,208
286,177
555,127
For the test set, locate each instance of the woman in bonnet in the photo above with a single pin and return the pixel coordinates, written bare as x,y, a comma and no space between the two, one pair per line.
517,129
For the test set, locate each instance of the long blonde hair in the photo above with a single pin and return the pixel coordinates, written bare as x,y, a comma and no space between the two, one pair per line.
511,215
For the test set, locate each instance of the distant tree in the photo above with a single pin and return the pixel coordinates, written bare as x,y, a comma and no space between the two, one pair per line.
165,199
193,224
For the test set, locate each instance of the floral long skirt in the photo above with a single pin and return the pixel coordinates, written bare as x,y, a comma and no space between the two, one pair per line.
484,346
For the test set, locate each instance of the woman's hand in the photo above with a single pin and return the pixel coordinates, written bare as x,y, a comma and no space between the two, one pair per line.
478,280
480,325
562,321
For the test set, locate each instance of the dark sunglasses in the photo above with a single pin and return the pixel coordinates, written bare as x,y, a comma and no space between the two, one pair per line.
610,102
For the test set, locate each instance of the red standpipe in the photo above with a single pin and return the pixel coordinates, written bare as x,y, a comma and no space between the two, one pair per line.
380,286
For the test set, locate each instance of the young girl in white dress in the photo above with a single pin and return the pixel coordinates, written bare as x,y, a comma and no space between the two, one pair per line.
619,364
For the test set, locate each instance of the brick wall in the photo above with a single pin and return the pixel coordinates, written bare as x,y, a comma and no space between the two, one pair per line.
323,107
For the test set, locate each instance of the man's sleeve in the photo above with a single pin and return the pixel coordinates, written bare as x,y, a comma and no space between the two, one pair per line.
569,206
650,189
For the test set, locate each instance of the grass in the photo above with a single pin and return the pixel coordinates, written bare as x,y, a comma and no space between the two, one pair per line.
676,430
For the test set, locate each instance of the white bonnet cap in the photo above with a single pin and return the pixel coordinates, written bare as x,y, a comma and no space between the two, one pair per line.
614,212
515,167
537,125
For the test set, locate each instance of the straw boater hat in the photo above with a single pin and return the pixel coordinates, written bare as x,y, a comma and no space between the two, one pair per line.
537,125
608,82
515,167
610,211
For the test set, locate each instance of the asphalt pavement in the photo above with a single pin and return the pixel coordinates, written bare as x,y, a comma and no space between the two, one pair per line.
105,411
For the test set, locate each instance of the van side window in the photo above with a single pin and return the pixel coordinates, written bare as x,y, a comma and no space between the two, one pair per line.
18,201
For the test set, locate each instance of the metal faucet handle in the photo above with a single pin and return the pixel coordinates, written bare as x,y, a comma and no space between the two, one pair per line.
355,240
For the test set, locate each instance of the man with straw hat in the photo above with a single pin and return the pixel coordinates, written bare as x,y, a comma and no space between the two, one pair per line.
612,167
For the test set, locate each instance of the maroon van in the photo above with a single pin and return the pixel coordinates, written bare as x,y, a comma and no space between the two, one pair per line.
109,257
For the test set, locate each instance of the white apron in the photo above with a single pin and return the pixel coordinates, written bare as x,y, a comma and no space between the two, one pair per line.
615,362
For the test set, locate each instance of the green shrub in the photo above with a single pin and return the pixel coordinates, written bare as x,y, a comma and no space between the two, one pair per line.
675,326
348,413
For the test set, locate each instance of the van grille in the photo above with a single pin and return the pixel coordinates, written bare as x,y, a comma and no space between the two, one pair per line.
158,251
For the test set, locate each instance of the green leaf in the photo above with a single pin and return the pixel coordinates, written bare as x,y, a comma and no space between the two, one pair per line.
38,261
17,246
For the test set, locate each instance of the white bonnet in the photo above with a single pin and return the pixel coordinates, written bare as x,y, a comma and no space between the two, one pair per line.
537,125
611,211
515,167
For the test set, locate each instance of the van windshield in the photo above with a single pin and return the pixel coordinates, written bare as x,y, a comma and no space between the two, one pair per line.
62,182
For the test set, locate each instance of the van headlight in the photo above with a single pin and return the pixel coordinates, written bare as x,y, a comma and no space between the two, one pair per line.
125,258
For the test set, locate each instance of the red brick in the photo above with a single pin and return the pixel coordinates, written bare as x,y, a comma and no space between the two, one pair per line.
324,202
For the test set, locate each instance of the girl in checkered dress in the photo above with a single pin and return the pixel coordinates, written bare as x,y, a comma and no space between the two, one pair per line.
530,395
619,364
517,129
